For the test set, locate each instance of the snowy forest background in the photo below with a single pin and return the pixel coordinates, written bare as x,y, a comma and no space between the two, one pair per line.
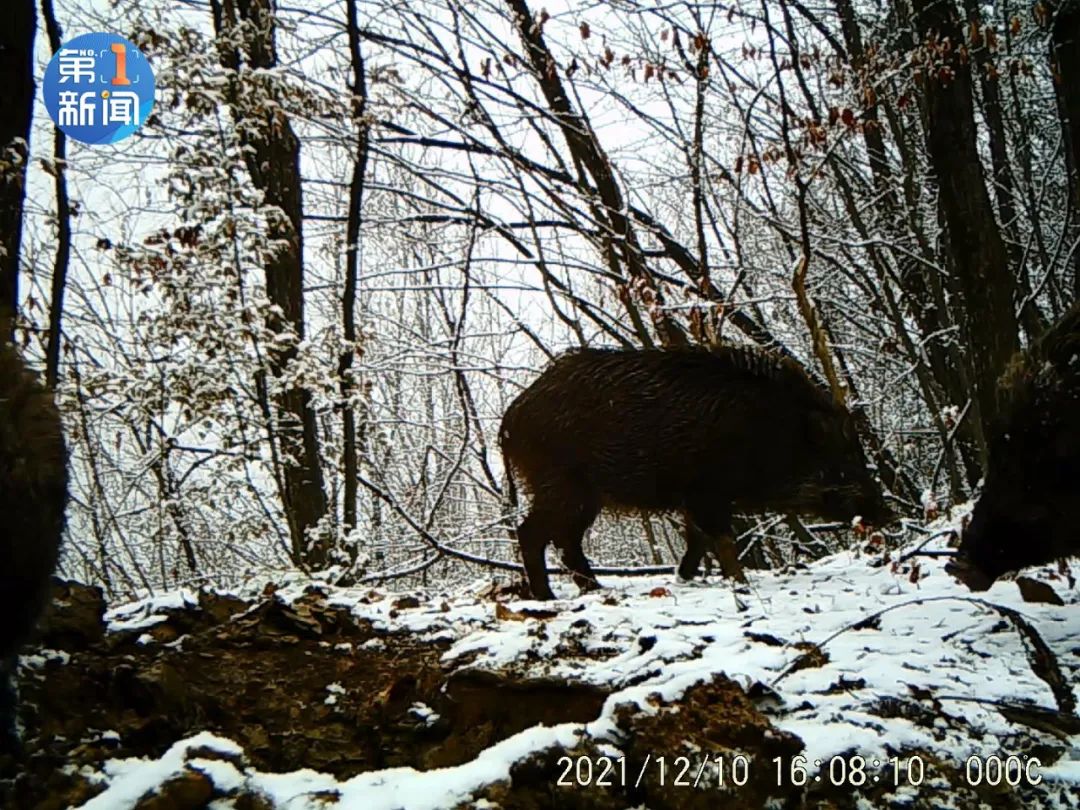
284,319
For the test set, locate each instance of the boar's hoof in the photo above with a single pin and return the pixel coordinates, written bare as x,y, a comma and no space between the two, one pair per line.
969,574
587,584
689,583
543,594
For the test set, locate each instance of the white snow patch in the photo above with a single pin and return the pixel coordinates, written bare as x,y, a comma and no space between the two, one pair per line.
424,712
334,689
223,774
40,658
130,779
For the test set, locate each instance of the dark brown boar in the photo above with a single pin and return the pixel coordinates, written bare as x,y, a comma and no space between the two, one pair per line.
701,431
1029,510
33,498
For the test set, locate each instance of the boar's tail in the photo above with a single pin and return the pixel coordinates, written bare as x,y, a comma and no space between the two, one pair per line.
510,491
508,467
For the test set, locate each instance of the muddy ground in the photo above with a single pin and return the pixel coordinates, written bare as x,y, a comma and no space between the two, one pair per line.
258,673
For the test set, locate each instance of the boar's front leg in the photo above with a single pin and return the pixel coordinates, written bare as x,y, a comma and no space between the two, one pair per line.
708,529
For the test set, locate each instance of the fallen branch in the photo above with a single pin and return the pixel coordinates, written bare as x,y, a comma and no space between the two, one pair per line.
918,552
464,556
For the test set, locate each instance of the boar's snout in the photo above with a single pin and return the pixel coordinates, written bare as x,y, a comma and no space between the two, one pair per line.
845,486
965,570
1005,534
864,501
873,510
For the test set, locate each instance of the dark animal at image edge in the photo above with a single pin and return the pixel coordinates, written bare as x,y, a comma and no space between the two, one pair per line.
1029,510
705,432
33,498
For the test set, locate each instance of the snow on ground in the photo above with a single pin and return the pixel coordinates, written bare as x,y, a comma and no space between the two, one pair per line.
641,637
145,613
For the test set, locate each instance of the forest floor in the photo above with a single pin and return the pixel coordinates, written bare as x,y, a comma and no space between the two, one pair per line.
645,694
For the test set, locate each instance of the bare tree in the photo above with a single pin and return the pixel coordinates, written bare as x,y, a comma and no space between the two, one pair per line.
272,154
1065,58
63,222
353,446
982,280
16,107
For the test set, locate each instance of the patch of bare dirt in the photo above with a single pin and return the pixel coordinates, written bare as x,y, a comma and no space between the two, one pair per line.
259,675
309,685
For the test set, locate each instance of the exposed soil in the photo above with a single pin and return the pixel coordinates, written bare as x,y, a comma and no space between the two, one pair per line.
308,685
258,674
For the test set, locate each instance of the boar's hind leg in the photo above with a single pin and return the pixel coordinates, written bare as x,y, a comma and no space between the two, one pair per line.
533,534
562,520
708,528
569,541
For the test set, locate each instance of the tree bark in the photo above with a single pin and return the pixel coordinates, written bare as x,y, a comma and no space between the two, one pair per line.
1065,55
63,222
351,450
938,381
1003,180
16,109
981,280
272,155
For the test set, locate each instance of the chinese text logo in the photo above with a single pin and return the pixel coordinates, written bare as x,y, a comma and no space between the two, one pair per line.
99,88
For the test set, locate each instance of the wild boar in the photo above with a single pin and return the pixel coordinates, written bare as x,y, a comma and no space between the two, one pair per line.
701,431
1029,510
33,499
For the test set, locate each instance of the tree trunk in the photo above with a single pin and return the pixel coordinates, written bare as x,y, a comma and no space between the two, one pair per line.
16,108
351,446
272,155
1065,55
937,375
1004,187
981,280
63,222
